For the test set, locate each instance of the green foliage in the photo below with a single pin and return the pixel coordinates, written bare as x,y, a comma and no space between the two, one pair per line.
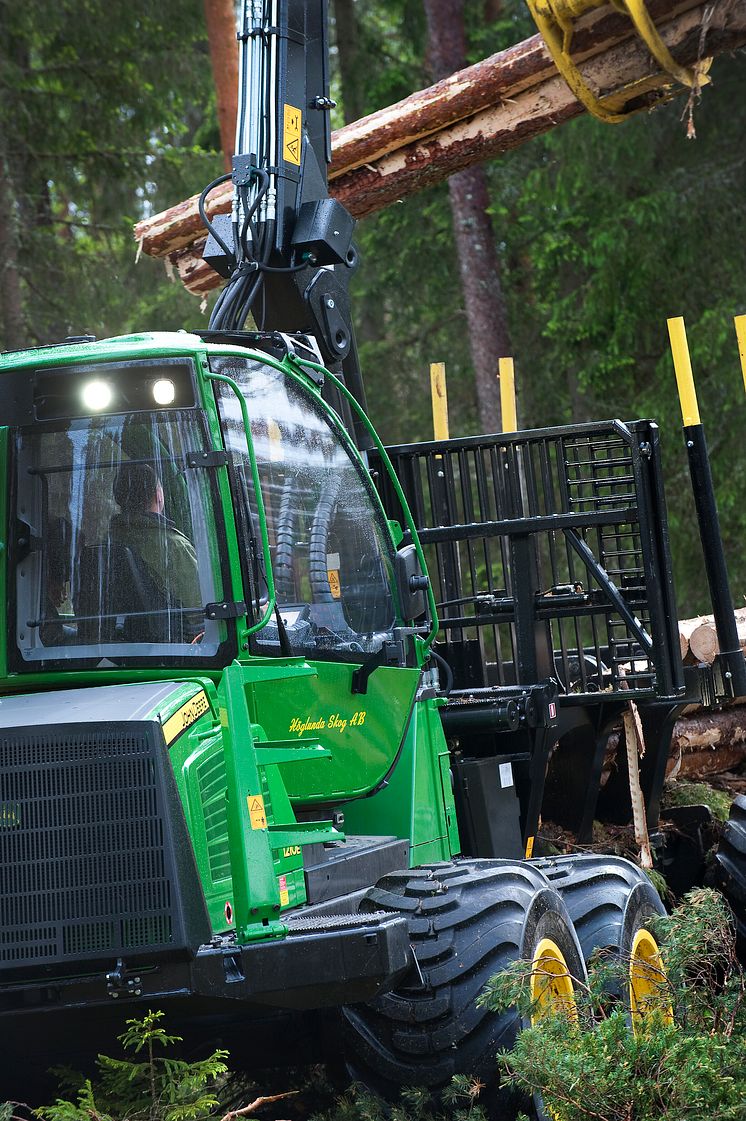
686,1070
458,1102
697,794
658,880
107,116
151,1084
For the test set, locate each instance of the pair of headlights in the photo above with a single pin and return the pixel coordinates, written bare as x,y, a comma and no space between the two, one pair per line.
98,395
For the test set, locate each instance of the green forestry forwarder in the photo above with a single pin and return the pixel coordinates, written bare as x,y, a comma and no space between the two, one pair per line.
237,781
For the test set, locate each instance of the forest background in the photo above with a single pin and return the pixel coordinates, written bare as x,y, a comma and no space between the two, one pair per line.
107,115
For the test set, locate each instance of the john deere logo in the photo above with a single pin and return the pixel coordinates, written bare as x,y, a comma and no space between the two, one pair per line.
10,815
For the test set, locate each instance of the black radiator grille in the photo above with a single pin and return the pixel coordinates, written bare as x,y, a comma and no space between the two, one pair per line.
84,858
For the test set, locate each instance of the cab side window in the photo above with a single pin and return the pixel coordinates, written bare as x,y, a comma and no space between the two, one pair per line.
332,555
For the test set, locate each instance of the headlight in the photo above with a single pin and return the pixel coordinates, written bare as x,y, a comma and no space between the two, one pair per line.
97,395
164,391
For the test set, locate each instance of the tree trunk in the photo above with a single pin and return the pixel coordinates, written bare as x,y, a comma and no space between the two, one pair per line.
348,54
13,54
11,298
220,16
486,314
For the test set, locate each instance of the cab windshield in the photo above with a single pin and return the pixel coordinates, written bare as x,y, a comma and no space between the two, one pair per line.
113,542
331,550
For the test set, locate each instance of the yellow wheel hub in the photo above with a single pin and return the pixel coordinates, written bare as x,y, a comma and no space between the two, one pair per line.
648,984
551,983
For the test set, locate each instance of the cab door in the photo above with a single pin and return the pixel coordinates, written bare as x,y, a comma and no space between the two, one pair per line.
332,559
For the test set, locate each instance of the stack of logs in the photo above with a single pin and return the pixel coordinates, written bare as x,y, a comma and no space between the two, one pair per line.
707,743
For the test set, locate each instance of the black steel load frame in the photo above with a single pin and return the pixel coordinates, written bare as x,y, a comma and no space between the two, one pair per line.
550,557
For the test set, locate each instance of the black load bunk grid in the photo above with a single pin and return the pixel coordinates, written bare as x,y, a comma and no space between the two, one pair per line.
549,555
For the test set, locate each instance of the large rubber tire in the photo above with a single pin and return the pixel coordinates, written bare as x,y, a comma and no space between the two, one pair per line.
730,872
467,920
609,900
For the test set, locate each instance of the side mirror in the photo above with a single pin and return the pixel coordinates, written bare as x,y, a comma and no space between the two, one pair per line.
412,583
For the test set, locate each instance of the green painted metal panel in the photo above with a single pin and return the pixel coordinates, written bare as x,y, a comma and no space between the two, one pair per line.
4,530
279,751
414,804
256,896
361,732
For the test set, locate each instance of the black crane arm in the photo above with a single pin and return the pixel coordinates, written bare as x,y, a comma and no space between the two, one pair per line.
286,249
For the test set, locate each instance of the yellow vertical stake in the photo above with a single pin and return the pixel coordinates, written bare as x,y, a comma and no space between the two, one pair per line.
439,398
506,374
740,322
683,368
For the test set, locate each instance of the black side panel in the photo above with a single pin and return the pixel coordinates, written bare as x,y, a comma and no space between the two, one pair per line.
338,869
95,855
488,807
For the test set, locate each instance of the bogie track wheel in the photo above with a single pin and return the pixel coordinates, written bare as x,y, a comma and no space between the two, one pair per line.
730,873
611,903
468,920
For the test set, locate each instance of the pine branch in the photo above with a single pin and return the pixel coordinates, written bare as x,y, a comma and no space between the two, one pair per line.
257,1103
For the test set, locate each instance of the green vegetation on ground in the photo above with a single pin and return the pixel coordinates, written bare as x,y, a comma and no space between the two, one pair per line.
685,1070
595,1069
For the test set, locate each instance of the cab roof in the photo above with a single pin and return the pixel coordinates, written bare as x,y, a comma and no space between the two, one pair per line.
120,346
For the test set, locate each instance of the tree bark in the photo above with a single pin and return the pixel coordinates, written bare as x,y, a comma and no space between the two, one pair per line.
477,114
13,54
220,16
707,743
484,302
11,297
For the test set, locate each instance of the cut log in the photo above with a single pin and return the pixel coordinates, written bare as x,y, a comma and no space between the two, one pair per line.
703,643
486,83
709,743
473,116
686,626
698,637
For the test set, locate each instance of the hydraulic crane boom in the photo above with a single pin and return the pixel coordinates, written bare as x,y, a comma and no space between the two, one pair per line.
286,248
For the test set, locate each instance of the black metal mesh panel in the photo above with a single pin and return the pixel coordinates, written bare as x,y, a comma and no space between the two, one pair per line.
85,864
553,537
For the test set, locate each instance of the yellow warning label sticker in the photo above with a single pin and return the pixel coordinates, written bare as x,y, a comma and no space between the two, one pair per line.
333,578
257,816
284,893
529,848
291,135
185,716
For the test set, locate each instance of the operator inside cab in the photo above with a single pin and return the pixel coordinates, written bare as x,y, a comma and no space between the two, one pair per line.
142,526
116,544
